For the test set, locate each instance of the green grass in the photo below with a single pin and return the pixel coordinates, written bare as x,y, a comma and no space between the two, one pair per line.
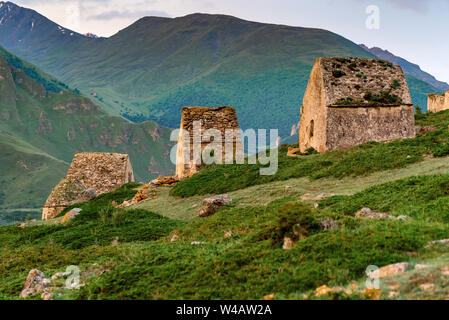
358,161
186,209
423,198
252,264
118,196
145,264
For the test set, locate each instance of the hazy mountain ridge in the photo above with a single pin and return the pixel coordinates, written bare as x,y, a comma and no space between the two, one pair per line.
408,67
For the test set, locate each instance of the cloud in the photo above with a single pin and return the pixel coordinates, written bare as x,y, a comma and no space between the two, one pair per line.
418,5
127,14
415,5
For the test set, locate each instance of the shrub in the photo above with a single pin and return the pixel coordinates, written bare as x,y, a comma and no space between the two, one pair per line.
353,66
311,150
338,73
441,150
384,97
395,84
296,221
418,109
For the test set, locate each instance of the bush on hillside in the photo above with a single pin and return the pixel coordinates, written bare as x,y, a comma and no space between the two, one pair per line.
295,220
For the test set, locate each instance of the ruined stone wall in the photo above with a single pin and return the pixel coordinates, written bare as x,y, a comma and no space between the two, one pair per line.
220,119
312,133
438,102
89,175
348,127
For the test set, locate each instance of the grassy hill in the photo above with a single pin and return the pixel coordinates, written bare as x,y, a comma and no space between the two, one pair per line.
156,66
133,254
40,130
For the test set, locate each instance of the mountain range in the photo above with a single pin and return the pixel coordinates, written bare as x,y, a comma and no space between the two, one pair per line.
62,92
156,66
41,129
408,67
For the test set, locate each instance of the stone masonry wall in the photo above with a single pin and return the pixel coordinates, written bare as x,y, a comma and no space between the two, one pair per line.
312,129
438,102
220,119
348,127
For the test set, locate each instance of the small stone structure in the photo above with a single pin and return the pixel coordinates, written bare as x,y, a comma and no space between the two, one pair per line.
352,101
438,102
89,175
222,119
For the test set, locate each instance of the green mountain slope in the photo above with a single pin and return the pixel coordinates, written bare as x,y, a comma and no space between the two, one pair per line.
41,130
153,68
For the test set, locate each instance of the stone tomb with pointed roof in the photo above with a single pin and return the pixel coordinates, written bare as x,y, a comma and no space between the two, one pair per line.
351,101
89,175
438,102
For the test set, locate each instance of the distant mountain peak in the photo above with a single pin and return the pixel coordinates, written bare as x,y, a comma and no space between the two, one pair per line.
23,27
408,67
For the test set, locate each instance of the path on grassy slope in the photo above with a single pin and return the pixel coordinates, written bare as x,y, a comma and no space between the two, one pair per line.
187,208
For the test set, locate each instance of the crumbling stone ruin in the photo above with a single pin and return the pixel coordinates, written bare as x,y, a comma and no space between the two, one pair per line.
89,175
222,119
352,101
438,102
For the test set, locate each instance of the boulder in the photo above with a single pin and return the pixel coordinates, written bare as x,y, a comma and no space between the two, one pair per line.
309,197
174,238
59,275
288,243
424,130
35,283
164,182
71,214
323,290
197,243
391,270
268,297
422,266
47,296
367,213
438,242
293,152
329,224
212,204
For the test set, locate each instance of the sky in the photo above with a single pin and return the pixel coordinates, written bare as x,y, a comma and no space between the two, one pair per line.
413,29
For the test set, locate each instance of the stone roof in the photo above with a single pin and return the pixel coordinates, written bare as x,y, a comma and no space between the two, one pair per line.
446,93
99,170
91,172
218,118
363,82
